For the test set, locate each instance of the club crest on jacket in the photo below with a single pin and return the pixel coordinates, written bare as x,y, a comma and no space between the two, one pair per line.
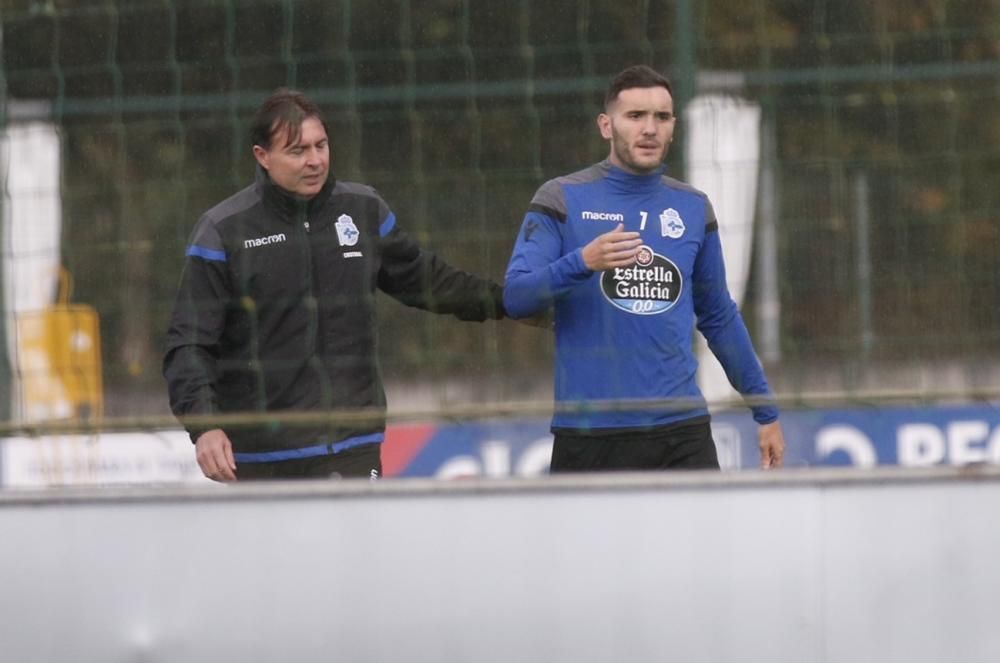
347,232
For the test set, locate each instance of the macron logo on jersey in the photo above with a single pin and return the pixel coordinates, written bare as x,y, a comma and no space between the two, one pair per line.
602,216
261,241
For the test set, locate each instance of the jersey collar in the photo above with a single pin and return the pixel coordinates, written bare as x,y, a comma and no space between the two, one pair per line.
630,182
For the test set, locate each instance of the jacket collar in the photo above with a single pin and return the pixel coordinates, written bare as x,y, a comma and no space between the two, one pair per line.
287,205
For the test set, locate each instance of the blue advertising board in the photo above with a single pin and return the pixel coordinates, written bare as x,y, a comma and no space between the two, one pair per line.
861,437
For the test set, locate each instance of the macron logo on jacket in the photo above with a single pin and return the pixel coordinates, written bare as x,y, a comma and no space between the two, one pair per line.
261,241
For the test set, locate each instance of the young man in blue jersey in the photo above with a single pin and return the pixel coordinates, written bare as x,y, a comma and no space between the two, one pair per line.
631,261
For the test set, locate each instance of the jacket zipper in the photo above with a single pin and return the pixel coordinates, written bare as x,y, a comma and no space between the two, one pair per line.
310,283
316,348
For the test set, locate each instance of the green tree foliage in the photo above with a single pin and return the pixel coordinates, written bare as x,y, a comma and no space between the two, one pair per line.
457,110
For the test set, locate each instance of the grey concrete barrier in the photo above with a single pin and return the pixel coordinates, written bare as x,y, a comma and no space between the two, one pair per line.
826,566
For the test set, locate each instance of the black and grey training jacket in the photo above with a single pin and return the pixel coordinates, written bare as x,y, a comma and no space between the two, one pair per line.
276,313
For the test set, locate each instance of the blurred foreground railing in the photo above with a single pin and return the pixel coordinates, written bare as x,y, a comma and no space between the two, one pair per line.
827,566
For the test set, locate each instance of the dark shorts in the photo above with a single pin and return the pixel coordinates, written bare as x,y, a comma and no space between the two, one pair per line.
363,462
685,446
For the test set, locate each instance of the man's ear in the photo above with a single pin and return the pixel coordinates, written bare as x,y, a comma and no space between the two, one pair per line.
260,154
604,124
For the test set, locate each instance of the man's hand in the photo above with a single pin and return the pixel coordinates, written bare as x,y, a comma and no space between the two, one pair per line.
214,452
772,445
612,249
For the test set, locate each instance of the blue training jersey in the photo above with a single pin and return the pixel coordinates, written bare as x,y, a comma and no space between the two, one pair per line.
627,333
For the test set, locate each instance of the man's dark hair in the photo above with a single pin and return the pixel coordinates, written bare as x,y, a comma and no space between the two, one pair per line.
636,76
284,109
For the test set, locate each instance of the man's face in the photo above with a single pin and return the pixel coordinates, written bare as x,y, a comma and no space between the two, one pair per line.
298,167
640,125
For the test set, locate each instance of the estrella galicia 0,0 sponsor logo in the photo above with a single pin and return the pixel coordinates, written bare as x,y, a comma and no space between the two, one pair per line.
652,285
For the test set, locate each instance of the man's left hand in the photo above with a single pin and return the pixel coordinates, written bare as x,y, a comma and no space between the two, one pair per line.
772,445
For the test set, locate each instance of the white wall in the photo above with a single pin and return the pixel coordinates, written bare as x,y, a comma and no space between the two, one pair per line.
722,153
831,566
30,181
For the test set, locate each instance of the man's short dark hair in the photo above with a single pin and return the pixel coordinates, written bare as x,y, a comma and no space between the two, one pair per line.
636,76
284,109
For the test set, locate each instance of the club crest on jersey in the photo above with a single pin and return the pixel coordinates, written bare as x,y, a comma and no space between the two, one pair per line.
651,286
671,223
347,232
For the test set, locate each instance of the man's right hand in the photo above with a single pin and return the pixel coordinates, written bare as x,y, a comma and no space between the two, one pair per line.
617,248
214,452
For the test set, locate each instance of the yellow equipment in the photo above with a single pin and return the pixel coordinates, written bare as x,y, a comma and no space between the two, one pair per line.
59,360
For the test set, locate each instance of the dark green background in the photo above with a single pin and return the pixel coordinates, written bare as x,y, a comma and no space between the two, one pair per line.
456,111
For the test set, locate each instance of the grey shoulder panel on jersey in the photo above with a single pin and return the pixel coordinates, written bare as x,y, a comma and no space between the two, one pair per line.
550,199
589,174
683,186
